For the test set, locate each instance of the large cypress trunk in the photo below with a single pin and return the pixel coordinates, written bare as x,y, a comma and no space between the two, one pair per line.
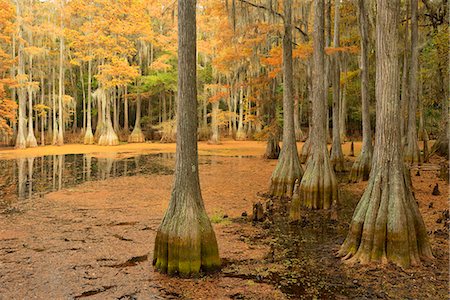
318,187
185,242
288,169
387,225
361,167
412,152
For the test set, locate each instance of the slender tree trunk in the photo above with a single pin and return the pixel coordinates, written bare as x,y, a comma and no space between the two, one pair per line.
20,139
288,170
306,149
387,225
240,134
136,135
185,242
318,188
89,136
31,139
84,98
43,113
297,125
273,145
108,136
336,157
361,167
412,152
215,138
60,140
55,122
125,110
405,91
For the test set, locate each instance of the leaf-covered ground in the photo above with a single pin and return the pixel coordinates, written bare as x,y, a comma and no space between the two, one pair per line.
95,241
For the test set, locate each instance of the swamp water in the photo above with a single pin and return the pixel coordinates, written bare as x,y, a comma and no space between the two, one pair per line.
24,178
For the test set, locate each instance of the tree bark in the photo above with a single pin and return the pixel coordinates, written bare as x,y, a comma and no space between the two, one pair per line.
125,110
336,157
412,152
185,242
108,136
89,136
240,133
60,139
136,135
288,169
387,225
361,167
20,139
31,139
215,137
404,99
318,187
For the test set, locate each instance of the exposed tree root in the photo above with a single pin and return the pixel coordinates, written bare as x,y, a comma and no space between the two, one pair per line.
287,171
361,167
185,243
387,225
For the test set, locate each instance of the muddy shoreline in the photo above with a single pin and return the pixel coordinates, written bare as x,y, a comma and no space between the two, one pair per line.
95,241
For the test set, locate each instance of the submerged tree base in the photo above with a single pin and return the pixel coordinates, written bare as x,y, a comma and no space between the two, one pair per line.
185,243
361,167
387,225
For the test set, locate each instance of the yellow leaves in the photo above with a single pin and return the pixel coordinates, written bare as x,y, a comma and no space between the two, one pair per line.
161,63
117,73
67,100
41,109
35,51
346,49
7,111
348,76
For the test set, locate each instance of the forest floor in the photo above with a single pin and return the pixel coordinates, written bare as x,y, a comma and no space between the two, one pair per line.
95,240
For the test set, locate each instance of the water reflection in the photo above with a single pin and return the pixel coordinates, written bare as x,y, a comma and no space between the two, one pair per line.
27,177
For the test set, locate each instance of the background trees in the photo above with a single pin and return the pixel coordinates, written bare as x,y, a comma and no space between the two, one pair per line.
62,53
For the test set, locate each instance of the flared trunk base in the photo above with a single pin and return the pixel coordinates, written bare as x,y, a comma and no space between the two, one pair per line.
136,136
287,171
361,167
387,225
186,244
318,188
